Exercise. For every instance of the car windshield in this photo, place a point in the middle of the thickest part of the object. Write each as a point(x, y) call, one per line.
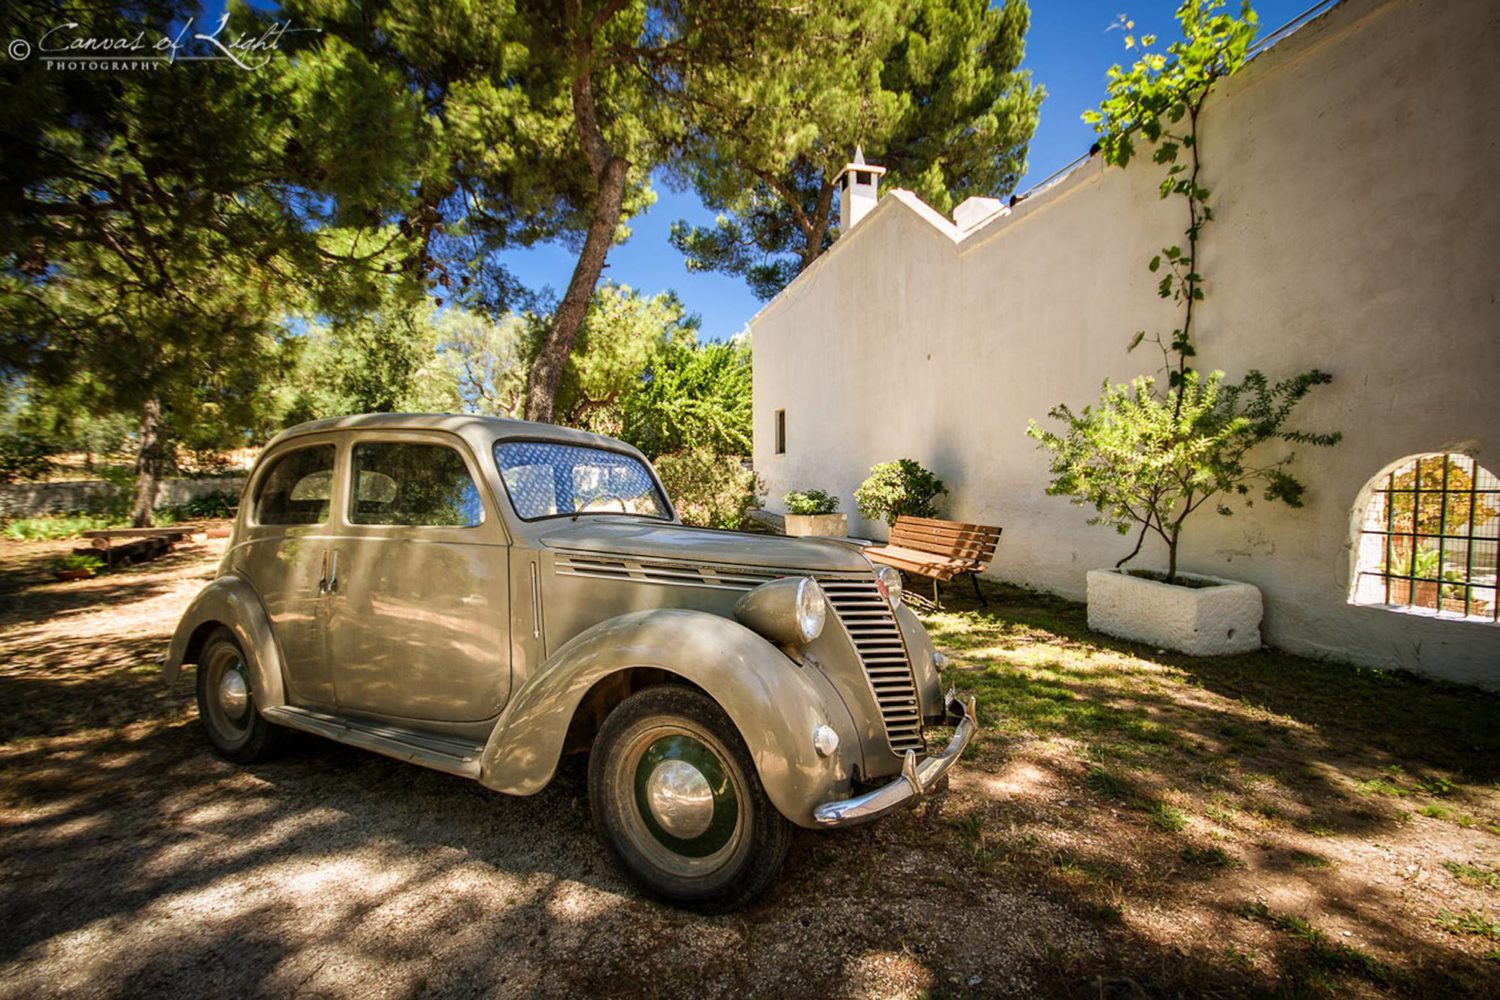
point(545, 479)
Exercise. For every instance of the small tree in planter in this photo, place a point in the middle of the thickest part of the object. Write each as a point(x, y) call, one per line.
point(896, 488)
point(1149, 455)
point(814, 512)
point(1146, 459)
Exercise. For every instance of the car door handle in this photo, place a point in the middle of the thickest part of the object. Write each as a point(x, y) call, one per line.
point(329, 581)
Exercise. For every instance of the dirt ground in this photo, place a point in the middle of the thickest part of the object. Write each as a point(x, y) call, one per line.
point(135, 862)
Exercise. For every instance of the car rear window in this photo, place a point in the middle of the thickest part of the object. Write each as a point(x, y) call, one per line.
point(297, 488)
point(413, 484)
point(547, 480)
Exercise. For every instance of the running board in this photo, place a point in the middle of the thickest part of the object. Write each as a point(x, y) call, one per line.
point(448, 756)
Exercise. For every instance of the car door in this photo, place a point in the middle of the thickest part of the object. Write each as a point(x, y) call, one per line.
point(419, 616)
point(284, 552)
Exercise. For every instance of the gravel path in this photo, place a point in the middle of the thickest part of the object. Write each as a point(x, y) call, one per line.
point(134, 862)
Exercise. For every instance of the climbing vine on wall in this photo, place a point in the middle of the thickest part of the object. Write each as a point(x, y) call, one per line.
point(1147, 455)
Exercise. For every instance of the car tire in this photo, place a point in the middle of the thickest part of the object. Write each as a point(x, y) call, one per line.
point(678, 804)
point(226, 704)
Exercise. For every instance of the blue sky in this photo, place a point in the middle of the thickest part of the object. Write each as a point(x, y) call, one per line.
point(1068, 50)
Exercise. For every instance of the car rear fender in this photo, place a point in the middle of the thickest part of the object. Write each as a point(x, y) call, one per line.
point(231, 602)
point(775, 702)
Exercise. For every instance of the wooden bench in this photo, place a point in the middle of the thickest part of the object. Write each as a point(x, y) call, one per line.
point(122, 546)
point(939, 550)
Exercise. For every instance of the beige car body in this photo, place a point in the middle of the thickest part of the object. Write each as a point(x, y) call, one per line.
point(490, 651)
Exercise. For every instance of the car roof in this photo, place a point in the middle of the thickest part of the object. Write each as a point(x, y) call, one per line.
point(481, 432)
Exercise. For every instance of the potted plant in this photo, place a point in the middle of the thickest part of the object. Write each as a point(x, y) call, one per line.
point(1149, 455)
point(897, 488)
point(814, 512)
point(1421, 592)
point(76, 566)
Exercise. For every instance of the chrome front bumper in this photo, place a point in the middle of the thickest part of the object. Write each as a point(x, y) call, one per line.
point(917, 778)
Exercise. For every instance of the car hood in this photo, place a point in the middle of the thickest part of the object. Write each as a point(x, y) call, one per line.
point(661, 540)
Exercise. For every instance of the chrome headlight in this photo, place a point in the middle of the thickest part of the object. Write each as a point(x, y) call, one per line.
point(812, 610)
point(791, 610)
point(889, 578)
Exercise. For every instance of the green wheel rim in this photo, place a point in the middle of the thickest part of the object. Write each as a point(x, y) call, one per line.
point(726, 806)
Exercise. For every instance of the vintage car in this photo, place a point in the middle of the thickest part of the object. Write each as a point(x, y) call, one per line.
point(481, 596)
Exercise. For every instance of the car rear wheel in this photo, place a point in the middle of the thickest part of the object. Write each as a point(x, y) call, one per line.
point(226, 705)
point(676, 800)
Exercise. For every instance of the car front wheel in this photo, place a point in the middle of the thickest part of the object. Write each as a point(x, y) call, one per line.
point(226, 705)
point(677, 802)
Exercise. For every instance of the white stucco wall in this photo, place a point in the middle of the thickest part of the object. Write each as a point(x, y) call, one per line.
point(1357, 230)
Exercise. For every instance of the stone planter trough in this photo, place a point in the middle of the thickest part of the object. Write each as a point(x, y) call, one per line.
point(825, 525)
point(1202, 621)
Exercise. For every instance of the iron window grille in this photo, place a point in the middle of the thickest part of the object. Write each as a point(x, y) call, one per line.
point(1429, 539)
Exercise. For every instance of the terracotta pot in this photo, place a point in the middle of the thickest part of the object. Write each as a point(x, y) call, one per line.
point(1426, 595)
point(73, 574)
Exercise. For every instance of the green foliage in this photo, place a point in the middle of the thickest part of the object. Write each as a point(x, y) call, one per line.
point(810, 502)
point(77, 561)
point(625, 338)
point(897, 488)
point(1144, 459)
point(1159, 90)
point(25, 457)
point(1167, 818)
point(692, 397)
point(932, 90)
point(51, 527)
point(709, 490)
point(1469, 922)
point(215, 504)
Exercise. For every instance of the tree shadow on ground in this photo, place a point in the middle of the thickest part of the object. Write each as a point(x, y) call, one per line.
point(135, 862)
point(1249, 797)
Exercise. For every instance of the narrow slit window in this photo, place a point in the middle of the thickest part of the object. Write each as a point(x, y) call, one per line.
point(1429, 537)
point(781, 432)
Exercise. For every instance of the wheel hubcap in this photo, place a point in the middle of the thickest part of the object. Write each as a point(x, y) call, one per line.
point(679, 798)
point(234, 693)
point(685, 797)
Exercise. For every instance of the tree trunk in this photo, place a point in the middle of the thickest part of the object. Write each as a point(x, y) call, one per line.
point(1172, 557)
point(547, 369)
point(148, 464)
point(812, 245)
point(610, 171)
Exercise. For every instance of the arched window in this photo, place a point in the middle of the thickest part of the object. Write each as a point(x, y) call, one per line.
point(1428, 538)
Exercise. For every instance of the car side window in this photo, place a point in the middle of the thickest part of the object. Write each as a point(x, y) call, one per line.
point(413, 484)
point(298, 488)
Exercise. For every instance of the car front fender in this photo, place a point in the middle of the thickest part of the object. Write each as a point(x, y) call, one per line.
point(231, 602)
point(774, 702)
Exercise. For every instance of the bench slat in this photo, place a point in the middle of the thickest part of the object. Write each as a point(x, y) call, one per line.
point(939, 549)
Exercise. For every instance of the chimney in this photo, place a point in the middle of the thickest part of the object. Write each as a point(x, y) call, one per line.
point(972, 211)
point(859, 187)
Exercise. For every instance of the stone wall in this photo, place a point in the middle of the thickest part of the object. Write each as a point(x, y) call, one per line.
point(31, 499)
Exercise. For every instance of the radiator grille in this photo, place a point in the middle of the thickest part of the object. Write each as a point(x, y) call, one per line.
point(855, 599)
point(872, 626)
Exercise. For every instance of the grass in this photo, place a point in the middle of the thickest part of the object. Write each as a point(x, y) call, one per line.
point(1469, 922)
point(1167, 818)
point(1307, 859)
point(1474, 875)
point(1212, 857)
point(1259, 746)
point(51, 527)
point(1437, 811)
point(1324, 954)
